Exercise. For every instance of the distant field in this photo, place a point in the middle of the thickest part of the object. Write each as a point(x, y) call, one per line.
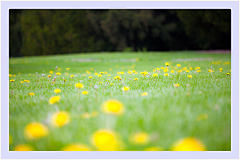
point(200, 107)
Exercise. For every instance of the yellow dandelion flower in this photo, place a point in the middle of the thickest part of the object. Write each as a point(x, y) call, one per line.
point(210, 70)
point(129, 72)
point(60, 119)
point(67, 69)
point(162, 68)
point(197, 68)
point(154, 149)
point(122, 72)
point(21, 82)
point(172, 71)
point(50, 72)
point(230, 70)
point(135, 79)
point(76, 147)
point(96, 73)
point(49, 76)
point(133, 71)
point(29, 74)
point(110, 69)
point(99, 75)
point(23, 147)
point(188, 144)
point(155, 75)
point(176, 85)
point(166, 74)
point(189, 76)
point(105, 140)
point(140, 138)
point(79, 85)
point(191, 68)
point(113, 107)
point(57, 90)
point(228, 74)
point(35, 130)
point(101, 72)
point(31, 94)
point(178, 65)
point(125, 88)
point(53, 82)
point(54, 99)
point(144, 94)
point(187, 71)
point(14, 75)
point(198, 71)
point(100, 82)
point(105, 72)
point(58, 73)
point(111, 84)
point(10, 75)
point(84, 92)
point(109, 75)
point(90, 77)
point(12, 80)
point(220, 69)
point(72, 76)
point(166, 64)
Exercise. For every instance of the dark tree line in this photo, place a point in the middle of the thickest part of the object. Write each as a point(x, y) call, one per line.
point(46, 32)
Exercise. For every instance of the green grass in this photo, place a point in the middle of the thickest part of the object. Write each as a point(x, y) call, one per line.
point(167, 112)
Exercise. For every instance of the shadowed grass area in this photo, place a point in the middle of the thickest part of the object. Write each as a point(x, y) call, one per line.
point(200, 107)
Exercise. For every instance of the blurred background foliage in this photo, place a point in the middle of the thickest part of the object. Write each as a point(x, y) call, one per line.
point(47, 32)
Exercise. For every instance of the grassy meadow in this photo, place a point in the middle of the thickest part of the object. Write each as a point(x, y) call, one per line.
point(199, 107)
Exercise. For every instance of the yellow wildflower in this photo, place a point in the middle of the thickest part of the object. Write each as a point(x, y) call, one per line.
point(12, 80)
point(79, 85)
point(176, 85)
point(23, 147)
point(144, 94)
point(58, 73)
point(105, 140)
point(31, 94)
point(178, 65)
point(113, 107)
point(84, 92)
point(50, 72)
point(188, 144)
point(155, 75)
point(166, 64)
point(35, 130)
point(125, 88)
point(76, 147)
point(189, 76)
point(57, 90)
point(54, 99)
point(60, 119)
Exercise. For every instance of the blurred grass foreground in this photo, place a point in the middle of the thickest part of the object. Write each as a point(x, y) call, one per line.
point(152, 101)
